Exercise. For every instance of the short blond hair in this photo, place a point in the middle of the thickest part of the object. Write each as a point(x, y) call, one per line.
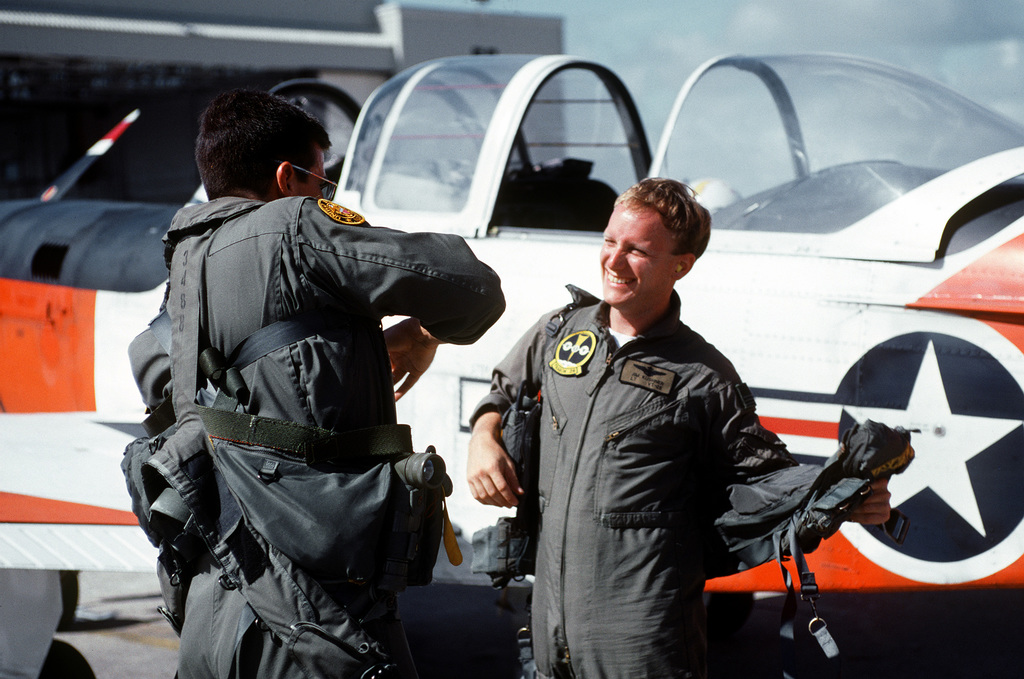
point(687, 220)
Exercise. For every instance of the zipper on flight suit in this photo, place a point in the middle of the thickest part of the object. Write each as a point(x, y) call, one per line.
point(572, 482)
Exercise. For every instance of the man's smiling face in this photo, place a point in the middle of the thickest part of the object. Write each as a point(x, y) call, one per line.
point(638, 267)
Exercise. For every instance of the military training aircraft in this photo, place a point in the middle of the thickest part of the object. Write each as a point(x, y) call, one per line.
point(867, 232)
point(866, 237)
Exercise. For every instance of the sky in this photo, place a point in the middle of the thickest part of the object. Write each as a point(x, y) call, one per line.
point(976, 47)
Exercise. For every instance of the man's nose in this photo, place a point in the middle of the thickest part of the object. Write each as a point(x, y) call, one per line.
point(614, 259)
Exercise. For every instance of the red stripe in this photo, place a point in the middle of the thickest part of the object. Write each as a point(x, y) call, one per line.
point(118, 129)
point(16, 508)
point(122, 126)
point(819, 430)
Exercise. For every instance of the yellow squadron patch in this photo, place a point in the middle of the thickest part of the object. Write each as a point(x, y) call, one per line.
point(573, 352)
point(340, 214)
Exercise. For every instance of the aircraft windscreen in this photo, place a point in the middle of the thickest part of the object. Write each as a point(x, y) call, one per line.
point(432, 146)
point(821, 126)
point(363, 147)
point(574, 116)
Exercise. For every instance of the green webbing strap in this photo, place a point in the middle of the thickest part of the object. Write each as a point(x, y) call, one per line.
point(311, 444)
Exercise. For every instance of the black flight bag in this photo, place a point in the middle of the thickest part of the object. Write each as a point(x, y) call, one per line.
point(508, 550)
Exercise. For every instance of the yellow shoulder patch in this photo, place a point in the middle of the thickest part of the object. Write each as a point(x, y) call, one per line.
point(340, 214)
point(573, 352)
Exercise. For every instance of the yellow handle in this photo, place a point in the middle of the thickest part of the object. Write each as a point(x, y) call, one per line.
point(451, 544)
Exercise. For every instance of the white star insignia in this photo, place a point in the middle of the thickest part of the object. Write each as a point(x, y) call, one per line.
point(944, 445)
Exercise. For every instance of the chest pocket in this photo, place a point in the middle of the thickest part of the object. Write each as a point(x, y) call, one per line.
point(644, 473)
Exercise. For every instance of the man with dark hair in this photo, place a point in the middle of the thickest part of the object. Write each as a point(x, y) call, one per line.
point(244, 131)
point(299, 514)
point(643, 422)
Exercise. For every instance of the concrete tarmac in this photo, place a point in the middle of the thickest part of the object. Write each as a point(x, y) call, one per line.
point(461, 631)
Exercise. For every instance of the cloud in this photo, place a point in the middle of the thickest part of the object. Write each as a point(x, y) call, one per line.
point(974, 48)
point(845, 25)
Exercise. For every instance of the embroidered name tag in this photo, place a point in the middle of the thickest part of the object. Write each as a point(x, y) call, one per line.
point(648, 376)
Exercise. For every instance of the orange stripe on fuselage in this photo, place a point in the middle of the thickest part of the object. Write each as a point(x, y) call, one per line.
point(992, 286)
point(839, 567)
point(47, 336)
point(785, 426)
point(16, 508)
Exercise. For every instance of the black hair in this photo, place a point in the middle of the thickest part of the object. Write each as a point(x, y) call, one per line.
point(242, 132)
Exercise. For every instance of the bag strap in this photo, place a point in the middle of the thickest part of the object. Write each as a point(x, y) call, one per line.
point(184, 307)
point(580, 298)
point(808, 592)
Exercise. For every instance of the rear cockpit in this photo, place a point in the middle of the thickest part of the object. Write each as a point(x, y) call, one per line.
point(841, 157)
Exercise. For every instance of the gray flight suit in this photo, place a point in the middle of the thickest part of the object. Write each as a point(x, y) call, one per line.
point(638, 446)
point(271, 261)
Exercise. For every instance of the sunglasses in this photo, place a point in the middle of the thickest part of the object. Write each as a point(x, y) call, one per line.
point(327, 187)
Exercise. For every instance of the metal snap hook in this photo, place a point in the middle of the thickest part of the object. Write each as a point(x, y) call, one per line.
point(811, 624)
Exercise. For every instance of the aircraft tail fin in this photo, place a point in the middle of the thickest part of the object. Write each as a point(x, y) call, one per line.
point(60, 186)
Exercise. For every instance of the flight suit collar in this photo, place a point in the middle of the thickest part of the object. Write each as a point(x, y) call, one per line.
point(193, 219)
point(668, 324)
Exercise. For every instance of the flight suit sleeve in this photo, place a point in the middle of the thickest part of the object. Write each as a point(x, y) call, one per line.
point(523, 362)
point(379, 272)
point(740, 445)
point(756, 484)
point(151, 367)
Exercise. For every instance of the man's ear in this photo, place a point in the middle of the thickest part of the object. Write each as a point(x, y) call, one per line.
point(683, 264)
point(284, 179)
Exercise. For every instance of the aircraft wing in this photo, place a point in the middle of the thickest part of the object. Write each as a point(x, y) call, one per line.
point(62, 505)
point(78, 279)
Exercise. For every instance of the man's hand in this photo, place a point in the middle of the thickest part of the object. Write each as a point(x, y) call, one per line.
point(876, 508)
point(490, 472)
point(411, 349)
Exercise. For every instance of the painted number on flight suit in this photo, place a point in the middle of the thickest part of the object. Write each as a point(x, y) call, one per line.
point(573, 352)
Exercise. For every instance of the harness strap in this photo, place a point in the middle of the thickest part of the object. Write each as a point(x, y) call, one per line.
point(251, 349)
point(279, 334)
point(309, 444)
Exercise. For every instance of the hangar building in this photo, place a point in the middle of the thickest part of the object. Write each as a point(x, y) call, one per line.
point(69, 70)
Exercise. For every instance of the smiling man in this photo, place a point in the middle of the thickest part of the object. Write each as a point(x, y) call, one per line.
point(643, 424)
